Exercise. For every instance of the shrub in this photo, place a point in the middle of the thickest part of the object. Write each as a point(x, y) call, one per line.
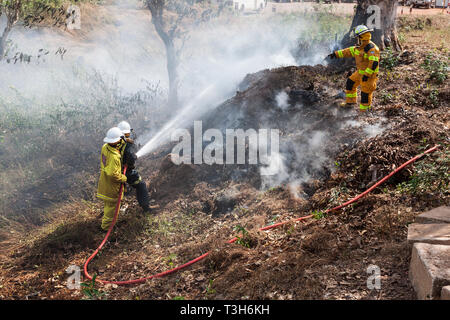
point(389, 59)
point(430, 176)
point(437, 67)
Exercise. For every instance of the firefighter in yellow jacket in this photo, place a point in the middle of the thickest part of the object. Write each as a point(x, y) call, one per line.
point(367, 58)
point(111, 176)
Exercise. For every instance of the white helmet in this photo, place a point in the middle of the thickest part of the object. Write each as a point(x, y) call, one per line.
point(125, 127)
point(361, 29)
point(113, 135)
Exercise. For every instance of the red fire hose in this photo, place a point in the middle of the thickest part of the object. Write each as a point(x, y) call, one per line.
point(165, 273)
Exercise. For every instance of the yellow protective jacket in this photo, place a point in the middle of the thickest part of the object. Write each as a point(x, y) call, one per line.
point(367, 57)
point(111, 175)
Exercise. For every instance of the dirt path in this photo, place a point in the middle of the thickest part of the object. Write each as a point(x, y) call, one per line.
point(340, 8)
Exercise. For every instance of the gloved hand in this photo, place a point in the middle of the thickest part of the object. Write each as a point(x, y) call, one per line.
point(365, 78)
point(331, 56)
point(132, 177)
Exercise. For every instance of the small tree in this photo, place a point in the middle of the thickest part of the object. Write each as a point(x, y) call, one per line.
point(171, 19)
point(28, 12)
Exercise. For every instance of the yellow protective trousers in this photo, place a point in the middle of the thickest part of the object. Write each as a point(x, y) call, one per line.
point(108, 214)
point(367, 89)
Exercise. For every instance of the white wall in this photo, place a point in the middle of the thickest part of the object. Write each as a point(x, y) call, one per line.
point(249, 4)
point(442, 3)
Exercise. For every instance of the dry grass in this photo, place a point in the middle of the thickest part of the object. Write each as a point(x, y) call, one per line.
point(425, 31)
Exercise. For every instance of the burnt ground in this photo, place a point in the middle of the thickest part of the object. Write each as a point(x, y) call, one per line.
point(199, 206)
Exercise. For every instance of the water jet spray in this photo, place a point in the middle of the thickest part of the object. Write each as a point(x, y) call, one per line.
point(163, 135)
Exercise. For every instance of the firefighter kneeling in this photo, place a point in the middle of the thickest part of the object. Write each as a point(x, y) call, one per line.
point(367, 58)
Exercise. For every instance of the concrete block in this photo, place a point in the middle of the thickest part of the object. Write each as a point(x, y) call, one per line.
point(429, 269)
point(436, 215)
point(434, 233)
point(445, 293)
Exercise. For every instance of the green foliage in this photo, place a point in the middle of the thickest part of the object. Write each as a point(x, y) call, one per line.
point(90, 291)
point(437, 67)
point(430, 176)
point(318, 214)
point(389, 59)
point(274, 189)
point(412, 100)
point(30, 11)
point(170, 260)
point(209, 289)
point(407, 25)
point(290, 230)
point(386, 97)
point(336, 192)
point(401, 37)
point(273, 219)
point(242, 239)
point(434, 97)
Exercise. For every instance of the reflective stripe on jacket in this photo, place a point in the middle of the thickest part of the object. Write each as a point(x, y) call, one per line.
point(367, 57)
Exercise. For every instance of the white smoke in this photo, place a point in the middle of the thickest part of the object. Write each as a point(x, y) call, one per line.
point(221, 54)
point(125, 48)
point(275, 172)
point(374, 130)
point(119, 41)
point(282, 100)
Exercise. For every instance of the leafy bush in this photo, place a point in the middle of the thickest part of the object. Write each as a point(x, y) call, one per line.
point(318, 214)
point(90, 291)
point(243, 241)
point(430, 176)
point(437, 67)
point(389, 59)
point(434, 97)
point(386, 97)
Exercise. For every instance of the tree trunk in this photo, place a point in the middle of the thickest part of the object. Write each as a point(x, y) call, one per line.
point(379, 15)
point(157, 8)
point(3, 40)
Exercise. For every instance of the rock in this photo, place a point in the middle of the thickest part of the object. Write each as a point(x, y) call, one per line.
point(445, 293)
point(434, 233)
point(429, 269)
point(436, 215)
